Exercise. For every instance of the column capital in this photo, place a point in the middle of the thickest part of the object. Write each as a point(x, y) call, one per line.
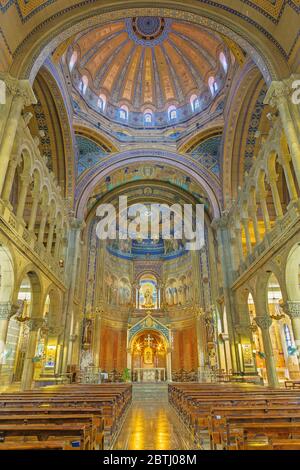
point(19, 88)
point(221, 222)
point(292, 308)
point(35, 324)
point(7, 310)
point(243, 329)
point(264, 321)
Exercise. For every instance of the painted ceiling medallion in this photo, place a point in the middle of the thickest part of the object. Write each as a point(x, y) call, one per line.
point(148, 27)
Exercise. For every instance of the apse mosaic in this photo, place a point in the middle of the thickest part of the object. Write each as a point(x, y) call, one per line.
point(159, 172)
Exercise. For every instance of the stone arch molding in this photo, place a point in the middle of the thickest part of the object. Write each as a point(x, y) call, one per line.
point(115, 162)
point(36, 47)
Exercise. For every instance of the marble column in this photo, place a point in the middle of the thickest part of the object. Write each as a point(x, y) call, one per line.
point(285, 160)
point(13, 163)
point(169, 365)
point(35, 203)
point(57, 243)
point(7, 310)
point(253, 215)
point(19, 94)
point(292, 309)
point(245, 222)
point(264, 322)
point(25, 180)
point(50, 235)
point(44, 209)
point(97, 338)
point(34, 326)
point(279, 96)
point(264, 209)
point(276, 197)
point(201, 339)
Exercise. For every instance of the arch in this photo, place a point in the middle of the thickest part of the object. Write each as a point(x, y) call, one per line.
point(102, 101)
point(73, 60)
point(91, 178)
point(292, 273)
point(124, 112)
point(6, 274)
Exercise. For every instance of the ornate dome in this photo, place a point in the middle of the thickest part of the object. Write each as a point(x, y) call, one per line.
point(147, 64)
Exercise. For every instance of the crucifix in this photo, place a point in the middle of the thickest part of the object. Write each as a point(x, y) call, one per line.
point(148, 340)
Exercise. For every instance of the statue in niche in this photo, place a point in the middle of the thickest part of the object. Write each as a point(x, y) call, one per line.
point(148, 299)
point(148, 355)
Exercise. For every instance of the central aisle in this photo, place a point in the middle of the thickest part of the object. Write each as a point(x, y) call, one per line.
point(151, 423)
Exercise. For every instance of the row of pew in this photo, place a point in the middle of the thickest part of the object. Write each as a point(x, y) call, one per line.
point(239, 416)
point(63, 417)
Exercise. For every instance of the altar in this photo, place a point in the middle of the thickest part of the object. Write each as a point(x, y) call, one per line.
point(155, 374)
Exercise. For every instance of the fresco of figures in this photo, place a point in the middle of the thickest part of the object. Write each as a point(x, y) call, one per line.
point(178, 291)
point(117, 291)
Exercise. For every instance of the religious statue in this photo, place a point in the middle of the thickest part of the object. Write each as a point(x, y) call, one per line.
point(148, 299)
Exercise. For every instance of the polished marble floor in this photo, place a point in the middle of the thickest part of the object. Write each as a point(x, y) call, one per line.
point(152, 424)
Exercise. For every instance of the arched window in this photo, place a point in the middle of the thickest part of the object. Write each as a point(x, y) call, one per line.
point(73, 60)
point(172, 113)
point(287, 335)
point(223, 61)
point(102, 102)
point(213, 86)
point(148, 116)
point(83, 84)
point(124, 112)
point(195, 102)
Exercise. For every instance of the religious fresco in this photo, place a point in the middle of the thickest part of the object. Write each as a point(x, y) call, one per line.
point(89, 153)
point(148, 293)
point(179, 290)
point(159, 172)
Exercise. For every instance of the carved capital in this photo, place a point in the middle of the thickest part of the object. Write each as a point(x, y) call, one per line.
point(280, 91)
point(35, 324)
point(19, 89)
point(243, 329)
point(7, 310)
point(264, 322)
point(292, 308)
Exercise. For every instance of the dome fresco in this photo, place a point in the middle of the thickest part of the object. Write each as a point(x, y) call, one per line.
point(148, 66)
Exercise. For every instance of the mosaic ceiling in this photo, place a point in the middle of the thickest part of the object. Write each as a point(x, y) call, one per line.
point(148, 61)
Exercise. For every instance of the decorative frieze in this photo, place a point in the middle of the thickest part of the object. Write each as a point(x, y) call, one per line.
point(292, 308)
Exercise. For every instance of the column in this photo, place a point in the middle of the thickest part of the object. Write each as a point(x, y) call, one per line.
point(25, 180)
point(97, 337)
point(35, 202)
point(238, 237)
point(264, 209)
point(245, 339)
point(278, 95)
point(253, 215)
point(19, 94)
point(9, 178)
point(57, 243)
point(43, 221)
point(129, 361)
point(169, 365)
point(264, 322)
point(34, 325)
point(245, 222)
point(292, 309)
point(285, 160)
point(201, 339)
point(50, 235)
point(7, 310)
point(276, 197)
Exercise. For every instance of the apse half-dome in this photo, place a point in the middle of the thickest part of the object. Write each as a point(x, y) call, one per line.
point(148, 70)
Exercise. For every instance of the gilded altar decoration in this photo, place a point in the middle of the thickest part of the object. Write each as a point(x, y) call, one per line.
point(148, 355)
